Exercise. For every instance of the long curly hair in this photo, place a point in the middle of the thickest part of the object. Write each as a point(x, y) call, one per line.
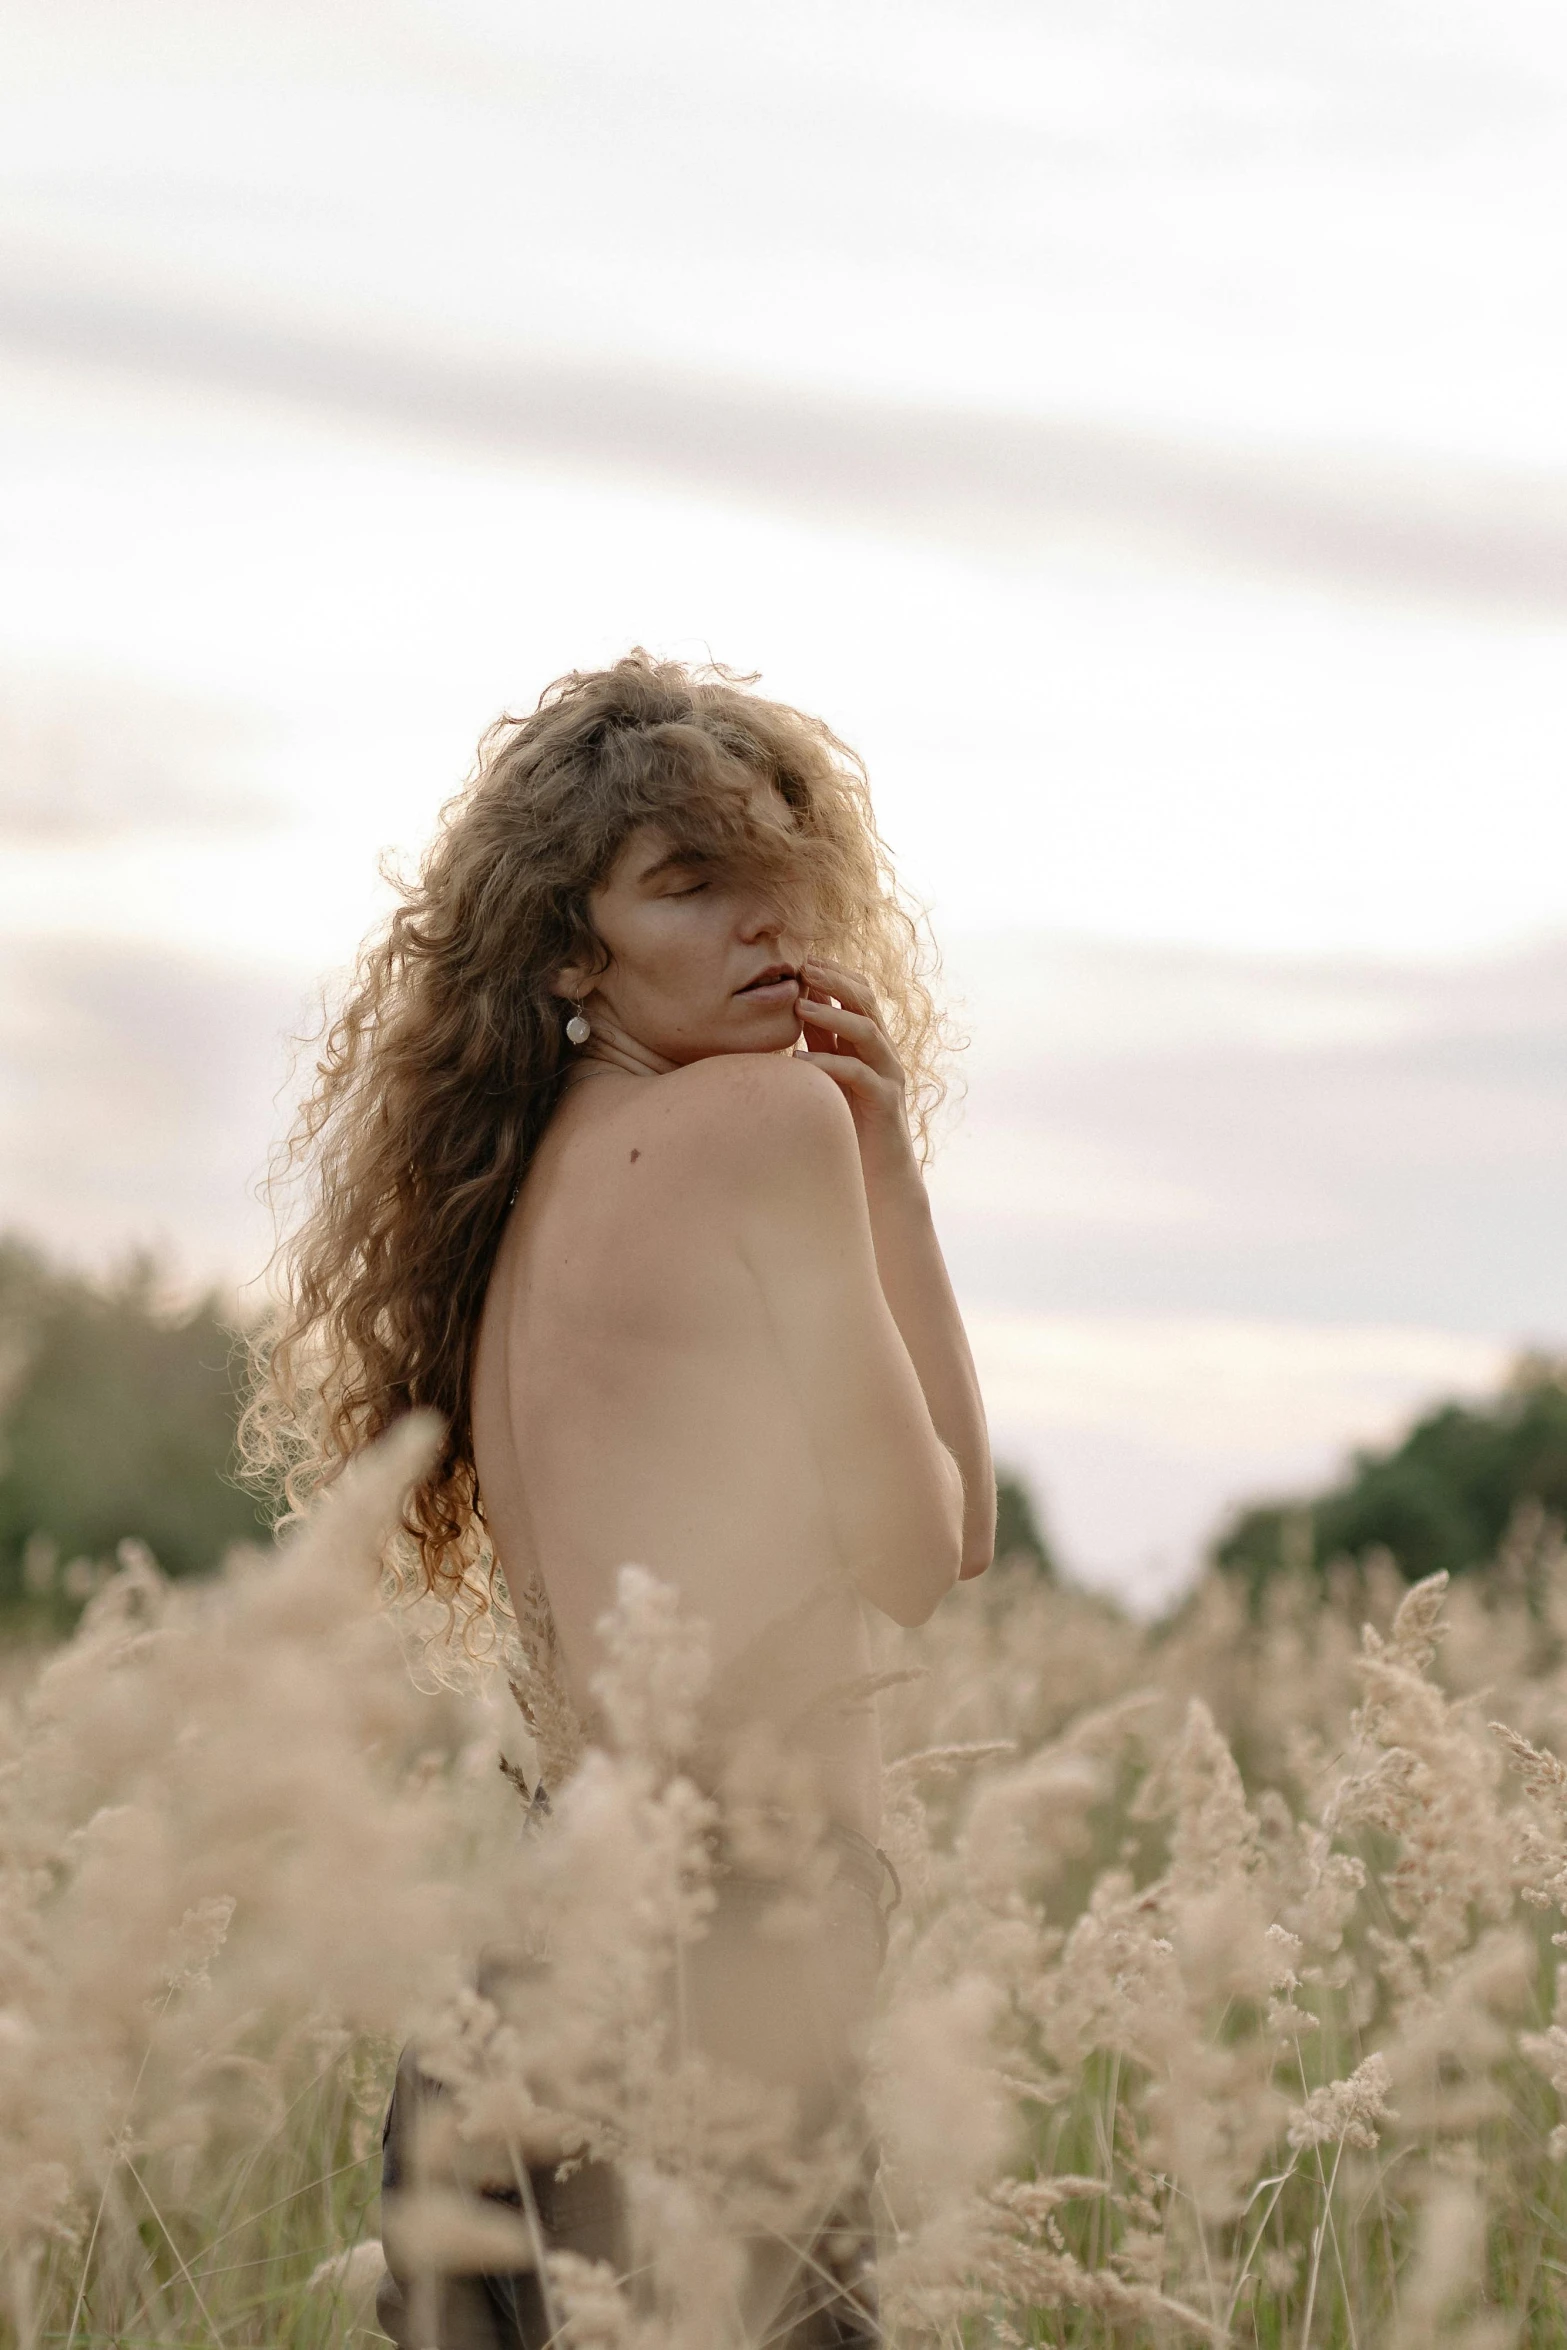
point(436, 1077)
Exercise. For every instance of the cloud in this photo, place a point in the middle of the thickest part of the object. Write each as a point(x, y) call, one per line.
point(86, 758)
point(982, 481)
point(1179, 1133)
point(136, 1100)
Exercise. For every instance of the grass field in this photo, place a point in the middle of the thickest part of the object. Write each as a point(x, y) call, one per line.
point(1220, 2005)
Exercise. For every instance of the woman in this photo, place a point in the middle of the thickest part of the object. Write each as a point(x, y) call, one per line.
point(615, 1148)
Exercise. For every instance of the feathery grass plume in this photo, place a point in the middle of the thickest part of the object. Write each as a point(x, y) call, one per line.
point(1348, 2112)
point(222, 1873)
point(1221, 2003)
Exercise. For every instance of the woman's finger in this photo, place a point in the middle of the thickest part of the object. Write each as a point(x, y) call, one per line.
point(829, 963)
point(855, 1076)
point(852, 986)
point(858, 1002)
point(831, 1014)
point(857, 1028)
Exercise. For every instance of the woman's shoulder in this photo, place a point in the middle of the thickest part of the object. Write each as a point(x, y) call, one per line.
point(745, 1105)
point(735, 1126)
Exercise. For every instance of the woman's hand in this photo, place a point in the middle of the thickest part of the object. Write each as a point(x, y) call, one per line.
point(844, 1036)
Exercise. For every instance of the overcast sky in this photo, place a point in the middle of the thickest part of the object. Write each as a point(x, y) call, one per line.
point(1141, 430)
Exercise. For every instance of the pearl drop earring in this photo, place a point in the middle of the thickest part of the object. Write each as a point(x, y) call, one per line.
point(578, 1028)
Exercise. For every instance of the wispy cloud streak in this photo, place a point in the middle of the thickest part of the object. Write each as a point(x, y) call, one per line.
point(993, 483)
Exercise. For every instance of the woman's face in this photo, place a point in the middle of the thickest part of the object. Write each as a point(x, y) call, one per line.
point(701, 962)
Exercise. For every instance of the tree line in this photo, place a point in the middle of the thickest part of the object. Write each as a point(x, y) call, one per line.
point(1441, 1498)
point(117, 1418)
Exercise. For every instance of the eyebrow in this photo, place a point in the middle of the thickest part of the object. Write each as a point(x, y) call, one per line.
point(672, 861)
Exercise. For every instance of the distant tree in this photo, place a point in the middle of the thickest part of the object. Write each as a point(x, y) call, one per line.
point(117, 1419)
point(1442, 1498)
point(1018, 1532)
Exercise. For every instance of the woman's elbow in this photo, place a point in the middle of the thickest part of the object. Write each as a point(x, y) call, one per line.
point(913, 1604)
point(919, 1549)
point(979, 1547)
point(938, 1570)
point(911, 1583)
point(979, 1532)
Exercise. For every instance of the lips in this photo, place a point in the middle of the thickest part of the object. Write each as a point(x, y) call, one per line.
point(776, 975)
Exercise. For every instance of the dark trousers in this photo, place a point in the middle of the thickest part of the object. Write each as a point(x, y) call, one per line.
point(817, 2295)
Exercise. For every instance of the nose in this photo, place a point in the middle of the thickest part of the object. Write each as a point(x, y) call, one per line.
point(761, 930)
point(778, 914)
point(761, 917)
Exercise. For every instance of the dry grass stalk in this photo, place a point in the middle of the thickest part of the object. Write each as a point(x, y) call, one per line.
point(1222, 2005)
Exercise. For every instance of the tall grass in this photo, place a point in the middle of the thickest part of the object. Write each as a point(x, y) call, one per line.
point(1220, 2006)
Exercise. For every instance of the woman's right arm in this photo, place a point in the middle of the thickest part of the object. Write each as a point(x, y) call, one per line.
point(785, 1154)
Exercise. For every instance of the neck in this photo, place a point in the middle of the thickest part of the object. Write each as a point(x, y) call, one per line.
point(610, 1047)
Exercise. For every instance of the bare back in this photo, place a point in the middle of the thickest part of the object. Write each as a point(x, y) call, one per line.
point(643, 1393)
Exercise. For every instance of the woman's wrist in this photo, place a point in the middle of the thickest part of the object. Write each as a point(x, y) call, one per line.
point(894, 1184)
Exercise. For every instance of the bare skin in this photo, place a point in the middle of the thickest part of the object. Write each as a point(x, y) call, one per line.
point(719, 1339)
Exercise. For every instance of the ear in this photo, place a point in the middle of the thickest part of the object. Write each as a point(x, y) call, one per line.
point(573, 981)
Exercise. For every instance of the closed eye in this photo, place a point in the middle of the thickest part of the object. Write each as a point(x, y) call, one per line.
point(694, 891)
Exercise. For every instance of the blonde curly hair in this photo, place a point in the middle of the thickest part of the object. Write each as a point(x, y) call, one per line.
point(438, 1074)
